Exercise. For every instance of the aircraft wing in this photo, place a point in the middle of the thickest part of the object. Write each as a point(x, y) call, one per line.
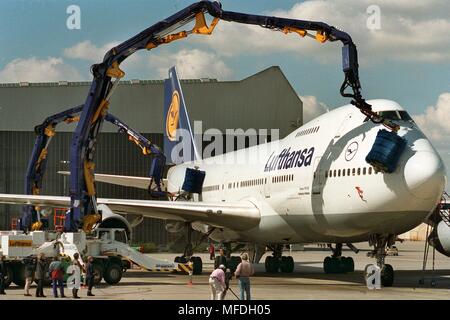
point(127, 181)
point(239, 216)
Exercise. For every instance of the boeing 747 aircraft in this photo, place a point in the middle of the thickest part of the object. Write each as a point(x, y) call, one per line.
point(313, 186)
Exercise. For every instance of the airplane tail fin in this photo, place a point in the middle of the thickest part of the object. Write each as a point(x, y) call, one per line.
point(179, 144)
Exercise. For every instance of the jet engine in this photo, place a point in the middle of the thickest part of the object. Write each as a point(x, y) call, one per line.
point(440, 238)
point(113, 220)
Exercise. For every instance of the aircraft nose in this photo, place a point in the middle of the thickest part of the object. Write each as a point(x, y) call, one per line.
point(425, 175)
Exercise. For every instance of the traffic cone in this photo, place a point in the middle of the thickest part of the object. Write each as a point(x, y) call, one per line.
point(190, 275)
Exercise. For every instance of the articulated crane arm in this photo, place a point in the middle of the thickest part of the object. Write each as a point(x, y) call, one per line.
point(82, 189)
point(37, 163)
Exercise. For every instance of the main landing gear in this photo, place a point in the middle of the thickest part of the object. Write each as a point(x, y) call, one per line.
point(337, 263)
point(380, 242)
point(277, 262)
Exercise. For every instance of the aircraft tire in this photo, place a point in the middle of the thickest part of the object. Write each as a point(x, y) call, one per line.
point(180, 259)
point(271, 264)
point(197, 267)
point(291, 264)
point(287, 264)
point(233, 263)
point(327, 268)
point(349, 264)
point(387, 276)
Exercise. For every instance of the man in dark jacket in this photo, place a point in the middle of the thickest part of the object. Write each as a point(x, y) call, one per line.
point(41, 270)
point(2, 274)
point(90, 273)
point(220, 259)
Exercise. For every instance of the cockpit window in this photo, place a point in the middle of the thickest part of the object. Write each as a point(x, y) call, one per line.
point(405, 116)
point(395, 115)
point(389, 115)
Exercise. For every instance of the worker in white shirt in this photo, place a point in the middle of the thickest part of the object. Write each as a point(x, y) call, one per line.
point(217, 282)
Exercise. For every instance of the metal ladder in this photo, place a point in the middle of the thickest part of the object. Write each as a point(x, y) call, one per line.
point(444, 208)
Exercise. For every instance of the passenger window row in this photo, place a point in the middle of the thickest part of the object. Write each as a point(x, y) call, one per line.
point(251, 183)
point(247, 183)
point(285, 178)
point(349, 172)
point(211, 188)
point(307, 131)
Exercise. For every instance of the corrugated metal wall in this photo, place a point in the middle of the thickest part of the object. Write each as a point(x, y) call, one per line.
point(265, 100)
point(115, 155)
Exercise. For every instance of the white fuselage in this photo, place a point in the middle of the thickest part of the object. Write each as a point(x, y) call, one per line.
point(315, 185)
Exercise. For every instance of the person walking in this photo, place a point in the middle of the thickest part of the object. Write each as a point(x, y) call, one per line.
point(212, 251)
point(90, 273)
point(30, 268)
point(57, 275)
point(217, 283)
point(76, 263)
point(40, 275)
point(243, 272)
point(2, 274)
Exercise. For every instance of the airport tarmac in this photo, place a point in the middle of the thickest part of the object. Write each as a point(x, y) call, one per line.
point(308, 281)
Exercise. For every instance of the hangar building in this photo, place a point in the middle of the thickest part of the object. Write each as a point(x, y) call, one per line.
point(264, 100)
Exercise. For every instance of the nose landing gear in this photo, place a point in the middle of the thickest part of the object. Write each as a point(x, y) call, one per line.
point(380, 242)
point(337, 263)
point(188, 254)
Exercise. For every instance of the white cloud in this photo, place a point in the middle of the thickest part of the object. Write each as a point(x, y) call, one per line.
point(86, 50)
point(38, 70)
point(435, 122)
point(312, 108)
point(410, 31)
point(190, 64)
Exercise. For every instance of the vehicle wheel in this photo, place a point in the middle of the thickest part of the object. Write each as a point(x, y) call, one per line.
point(19, 274)
point(271, 264)
point(98, 272)
point(9, 276)
point(197, 267)
point(349, 264)
point(387, 276)
point(113, 273)
point(233, 263)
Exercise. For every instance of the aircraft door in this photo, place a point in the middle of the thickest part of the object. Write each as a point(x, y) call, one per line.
point(267, 186)
point(318, 177)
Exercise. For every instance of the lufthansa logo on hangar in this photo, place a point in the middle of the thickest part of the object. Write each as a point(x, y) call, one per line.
point(351, 150)
point(173, 116)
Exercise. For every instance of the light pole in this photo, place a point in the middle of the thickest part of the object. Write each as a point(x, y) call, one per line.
point(65, 164)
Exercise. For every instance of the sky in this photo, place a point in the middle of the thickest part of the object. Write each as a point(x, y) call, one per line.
point(403, 47)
